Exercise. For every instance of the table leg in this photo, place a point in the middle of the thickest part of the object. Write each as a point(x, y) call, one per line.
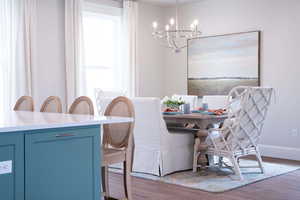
point(196, 147)
point(201, 149)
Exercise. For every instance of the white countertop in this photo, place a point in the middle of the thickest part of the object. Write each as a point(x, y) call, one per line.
point(24, 121)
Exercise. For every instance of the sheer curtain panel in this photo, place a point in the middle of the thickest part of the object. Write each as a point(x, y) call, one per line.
point(130, 14)
point(14, 70)
point(73, 41)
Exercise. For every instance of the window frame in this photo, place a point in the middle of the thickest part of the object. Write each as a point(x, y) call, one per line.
point(91, 8)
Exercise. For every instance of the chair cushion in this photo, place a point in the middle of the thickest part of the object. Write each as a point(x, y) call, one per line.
point(112, 156)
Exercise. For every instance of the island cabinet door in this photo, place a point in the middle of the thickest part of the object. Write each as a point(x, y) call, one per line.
point(63, 164)
point(12, 166)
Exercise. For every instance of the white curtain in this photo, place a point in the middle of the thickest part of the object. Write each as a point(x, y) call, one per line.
point(29, 20)
point(73, 43)
point(130, 15)
point(14, 70)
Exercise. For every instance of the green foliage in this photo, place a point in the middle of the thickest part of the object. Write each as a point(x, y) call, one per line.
point(173, 103)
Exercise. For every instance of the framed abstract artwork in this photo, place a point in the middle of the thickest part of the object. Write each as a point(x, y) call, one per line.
point(218, 63)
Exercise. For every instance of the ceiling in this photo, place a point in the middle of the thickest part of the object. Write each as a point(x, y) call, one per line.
point(167, 2)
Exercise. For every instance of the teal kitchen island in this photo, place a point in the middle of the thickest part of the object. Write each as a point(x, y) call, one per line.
point(49, 156)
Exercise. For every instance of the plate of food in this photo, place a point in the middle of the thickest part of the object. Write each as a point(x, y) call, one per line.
point(171, 111)
point(210, 111)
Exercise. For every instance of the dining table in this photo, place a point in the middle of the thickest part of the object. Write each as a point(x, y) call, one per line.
point(197, 124)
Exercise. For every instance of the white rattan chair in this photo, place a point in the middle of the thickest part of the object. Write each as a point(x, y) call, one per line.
point(240, 133)
point(104, 98)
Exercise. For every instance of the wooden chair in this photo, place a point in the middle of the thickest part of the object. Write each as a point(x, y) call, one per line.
point(24, 103)
point(118, 143)
point(52, 105)
point(83, 106)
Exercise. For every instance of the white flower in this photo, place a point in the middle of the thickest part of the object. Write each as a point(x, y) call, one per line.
point(166, 98)
point(175, 98)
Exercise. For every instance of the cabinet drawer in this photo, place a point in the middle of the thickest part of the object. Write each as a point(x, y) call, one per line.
point(62, 133)
point(63, 164)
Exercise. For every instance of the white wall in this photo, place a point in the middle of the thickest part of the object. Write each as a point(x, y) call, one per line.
point(279, 22)
point(150, 57)
point(48, 68)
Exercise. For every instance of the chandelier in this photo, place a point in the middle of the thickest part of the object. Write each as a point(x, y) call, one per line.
point(174, 36)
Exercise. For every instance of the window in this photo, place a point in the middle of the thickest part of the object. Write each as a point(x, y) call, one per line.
point(102, 49)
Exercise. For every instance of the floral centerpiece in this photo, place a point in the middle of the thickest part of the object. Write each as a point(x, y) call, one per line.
point(173, 102)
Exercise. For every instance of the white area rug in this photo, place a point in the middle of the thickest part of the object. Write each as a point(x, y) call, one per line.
point(222, 180)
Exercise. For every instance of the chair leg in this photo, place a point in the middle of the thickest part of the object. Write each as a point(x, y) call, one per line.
point(238, 161)
point(260, 162)
point(211, 160)
point(195, 159)
point(105, 182)
point(127, 180)
point(220, 163)
point(237, 169)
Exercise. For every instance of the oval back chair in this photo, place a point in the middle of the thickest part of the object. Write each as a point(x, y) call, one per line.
point(117, 135)
point(24, 103)
point(52, 105)
point(82, 106)
point(118, 143)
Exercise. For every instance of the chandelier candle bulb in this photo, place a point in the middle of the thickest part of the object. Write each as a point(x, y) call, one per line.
point(192, 26)
point(172, 21)
point(196, 22)
point(154, 25)
point(167, 27)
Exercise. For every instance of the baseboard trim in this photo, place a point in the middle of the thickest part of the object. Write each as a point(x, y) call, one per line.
point(280, 152)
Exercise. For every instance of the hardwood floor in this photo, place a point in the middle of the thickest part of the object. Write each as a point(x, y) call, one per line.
point(284, 187)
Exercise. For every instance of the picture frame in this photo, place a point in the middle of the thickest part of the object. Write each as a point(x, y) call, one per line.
point(218, 63)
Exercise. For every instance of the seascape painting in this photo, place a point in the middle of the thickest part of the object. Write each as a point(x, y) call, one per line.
point(216, 64)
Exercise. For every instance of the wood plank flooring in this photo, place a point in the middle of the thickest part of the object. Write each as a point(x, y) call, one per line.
point(284, 187)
